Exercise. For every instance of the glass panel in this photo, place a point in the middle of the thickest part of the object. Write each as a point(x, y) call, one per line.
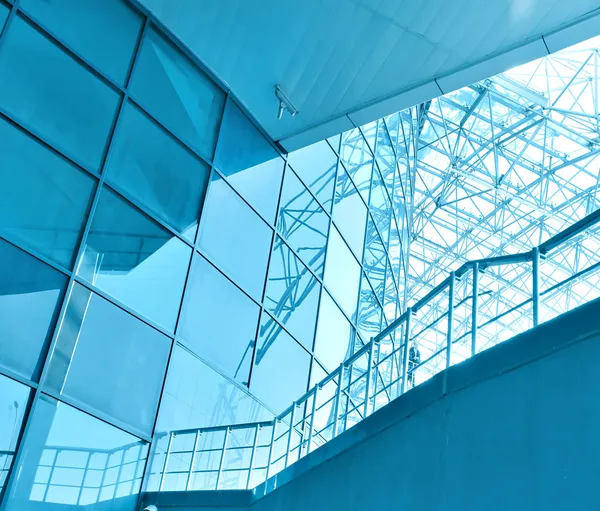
point(316, 165)
point(368, 321)
point(375, 260)
point(178, 93)
point(4, 10)
point(72, 459)
point(350, 213)
point(158, 171)
point(333, 343)
point(281, 366)
point(30, 298)
point(46, 89)
point(132, 258)
point(13, 403)
point(104, 33)
point(206, 325)
point(358, 159)
point(43, 199)
point(235, 238)
point(109, 360)
point(303, 223)
point(250, 163)
point(342, 273)
point(380, 206)
point(292, 293)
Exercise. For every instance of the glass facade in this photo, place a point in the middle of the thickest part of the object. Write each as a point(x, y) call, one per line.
point(163, 264)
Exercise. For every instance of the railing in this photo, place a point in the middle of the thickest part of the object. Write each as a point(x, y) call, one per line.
point(6, 459)
point(478, 305)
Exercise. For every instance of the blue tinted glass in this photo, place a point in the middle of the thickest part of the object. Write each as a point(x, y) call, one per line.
point(13, 403)
point(132, 258)
point(380, 206)
point(357, 157)
point(333, 343)
point(374, 262)
point(349, 213)
point(250, 163)
point(46, 89)
point(3, 15)
point(292, 294)
point(385, 156)
point(281, 366)
point(206, 325)
point(303, 223)
point(103, 32)
point(30, 298)
point(60, 443)
point(158, 171)
point(43, 199)
point(342, 273)
point(316, 165)
point(108, 360)
point(235, 238)
point(178, 93)
point(368, 321)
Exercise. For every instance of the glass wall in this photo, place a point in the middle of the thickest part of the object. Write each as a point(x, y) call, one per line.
point(163, 265)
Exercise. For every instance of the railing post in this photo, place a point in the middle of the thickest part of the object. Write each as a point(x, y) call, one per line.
point(450, 319)
point(474, 307)
point(222, 461)
point(85, 471)
point(368, 382)
point(312, 418)
point(166, 464)
point(253, 455)
point(406, 348)
point(535, 292)
point(119, 473)
point(271, 447)
point(289, 442)
point(338, 397)
point(189, 477)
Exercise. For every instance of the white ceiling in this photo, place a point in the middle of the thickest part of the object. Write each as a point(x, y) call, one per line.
point(357, 60)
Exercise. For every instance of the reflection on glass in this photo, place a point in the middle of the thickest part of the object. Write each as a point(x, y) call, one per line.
point(375, 260)
point(109, 360)
point(358, 159)
point(178, 93)
point(207, 326)
point(30, 298)
point(385, 156)
point(104, 33)
point(3, 15)
point(43, 199)
point(333, 343)
point(349, 213)
point(303, 223)
point(342, 273)
point(368, 321)
point(251, 165)
point(159, 172)
point(281, 366)
point(48, 90)
point(235, 238)
point(381, 206)
point(13, 403)
point(132, 258)
point(74, 461)
point(292, 293)
point(316, 165)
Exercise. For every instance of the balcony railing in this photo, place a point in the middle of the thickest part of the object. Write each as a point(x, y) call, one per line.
point(478, 305)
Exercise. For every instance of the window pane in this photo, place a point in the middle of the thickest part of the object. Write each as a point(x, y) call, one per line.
point(158, 171)
point(292, 294)
point(303, 223)
point(206, 325)
point(368, 321)
point(235, 238)
point(43, 199)
point(109, 360)
point(178, 93)
point(13, 403)
point(334, 343)
point(103, 32)
point(357, 157)
point(59, 443)
point(251, 165)
point(3, 15)
point(375, 260)
point(30, 297)
point(135, 260)
point(350, 213)
point(342, 273)
point(381, 207)
point(46, 89)
point(316, 165)
point(281, 366)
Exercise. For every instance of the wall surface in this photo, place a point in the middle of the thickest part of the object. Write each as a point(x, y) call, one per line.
point(515, 427)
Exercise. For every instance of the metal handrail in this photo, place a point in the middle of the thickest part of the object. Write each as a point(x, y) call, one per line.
point(359, 393)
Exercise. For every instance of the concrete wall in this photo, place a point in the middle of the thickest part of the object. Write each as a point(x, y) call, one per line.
point(516, 427)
